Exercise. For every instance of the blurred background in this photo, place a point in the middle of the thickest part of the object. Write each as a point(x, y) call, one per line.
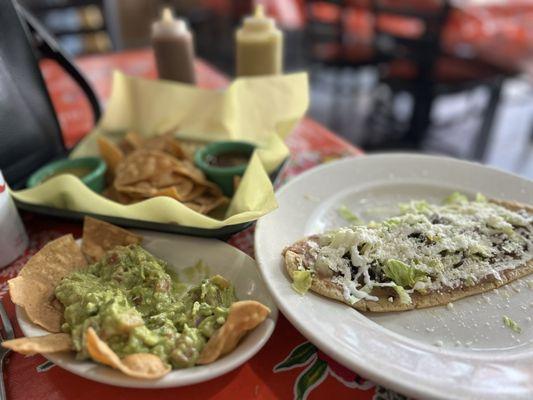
point(443, 77)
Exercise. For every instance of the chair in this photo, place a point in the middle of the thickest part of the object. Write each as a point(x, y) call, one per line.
point(418, 66)
point(402, 40)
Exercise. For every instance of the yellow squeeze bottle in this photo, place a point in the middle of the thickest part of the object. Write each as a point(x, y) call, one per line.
point(259, 46)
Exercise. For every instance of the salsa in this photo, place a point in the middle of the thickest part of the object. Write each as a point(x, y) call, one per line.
point(229, 159)
point(137, 305)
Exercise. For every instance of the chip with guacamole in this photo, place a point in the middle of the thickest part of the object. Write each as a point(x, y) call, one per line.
point(133, 303)
point(128, 310)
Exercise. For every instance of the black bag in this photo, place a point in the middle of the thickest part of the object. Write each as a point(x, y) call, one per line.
point(30, 135)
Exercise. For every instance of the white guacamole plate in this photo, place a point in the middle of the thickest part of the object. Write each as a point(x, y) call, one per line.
point(461, 351)
point(182, 252)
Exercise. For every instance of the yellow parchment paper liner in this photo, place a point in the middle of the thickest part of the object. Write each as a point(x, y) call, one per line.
point(261, 110)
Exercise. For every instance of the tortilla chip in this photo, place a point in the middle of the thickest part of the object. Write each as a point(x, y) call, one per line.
point(144, 365)
point(139, 365)
point(110, 152)
point(141, 165)
point(236, 182)
point(160, 167)
point(243, 316)
point(134, 140)
point(99, 350)
point(187, 168)
point(169, 192)
point(205, 204)
point(36, 298)
point(33, 289)
point(171, 178)
point(141, 190)
point(55, 260)
point(196, 191)
point(113, 194)
point(167, 143)
point(29, 346)
point(100, 236)
point(195, 207)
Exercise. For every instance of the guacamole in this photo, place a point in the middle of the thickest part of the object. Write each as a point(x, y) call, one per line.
point(137, 305)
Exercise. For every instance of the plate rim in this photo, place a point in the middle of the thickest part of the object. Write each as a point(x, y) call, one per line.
point(109, 376)
point(420, 388)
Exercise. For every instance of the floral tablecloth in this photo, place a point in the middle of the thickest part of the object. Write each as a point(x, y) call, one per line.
point(288, 367)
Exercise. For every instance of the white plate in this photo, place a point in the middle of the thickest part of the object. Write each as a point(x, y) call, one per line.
point(181, 252)
point(479, 357)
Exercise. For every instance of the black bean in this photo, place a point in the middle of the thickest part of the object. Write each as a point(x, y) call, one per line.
point(458, 264)
point(438, 220)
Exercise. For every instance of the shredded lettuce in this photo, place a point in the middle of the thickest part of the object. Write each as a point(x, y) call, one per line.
point(367, 288)
point(478, 248)
point(435, 264)
point(456, 198)
point(366, 248)
point(403, 295)
point(342, 237)
point(402, 274)
point(470, 280)
point(392, 222)
point(301, 281)
point(498, 223)
point(349, 216)
point(509, 323)
point(415, 206)
point(480, 198)
point(514, 219)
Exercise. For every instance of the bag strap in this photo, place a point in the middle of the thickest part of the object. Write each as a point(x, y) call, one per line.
point(49, 48)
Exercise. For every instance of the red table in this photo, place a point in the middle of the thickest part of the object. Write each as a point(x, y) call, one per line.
point(271, 373)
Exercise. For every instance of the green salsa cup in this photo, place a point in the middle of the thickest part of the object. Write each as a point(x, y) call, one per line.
point(90, 170)
point(216, 160)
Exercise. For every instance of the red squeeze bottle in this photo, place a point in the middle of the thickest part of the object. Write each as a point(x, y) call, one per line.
point(173, 48)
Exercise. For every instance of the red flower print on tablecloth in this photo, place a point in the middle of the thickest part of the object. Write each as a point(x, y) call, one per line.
point(317, 366)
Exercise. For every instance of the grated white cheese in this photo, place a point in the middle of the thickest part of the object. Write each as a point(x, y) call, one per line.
point(456, 244)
